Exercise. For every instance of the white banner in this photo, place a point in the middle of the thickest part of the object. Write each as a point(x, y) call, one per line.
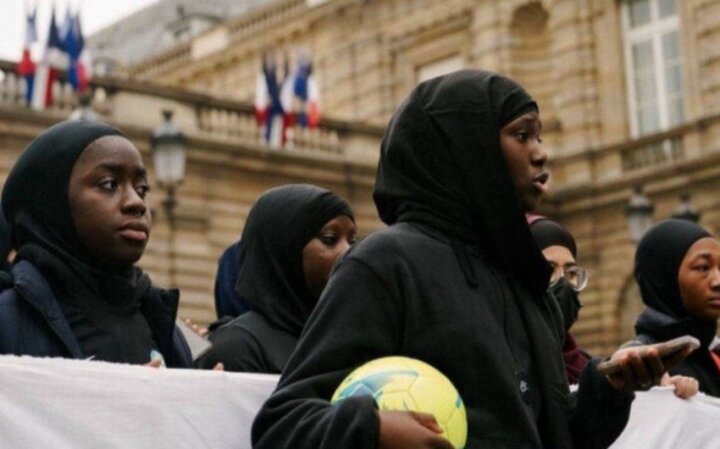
point(57, 403)
point(661, 420)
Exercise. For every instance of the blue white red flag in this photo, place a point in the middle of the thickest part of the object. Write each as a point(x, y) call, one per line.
point(26, 66)
point(269, 107)
point(74, 45)
point(46, 71)
point(306, 95)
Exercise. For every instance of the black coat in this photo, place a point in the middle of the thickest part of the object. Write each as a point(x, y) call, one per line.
point(251, 344)
point(653, 326)
point(456, 281)
point(32, 322)
point(271, 279)
point(367, 312)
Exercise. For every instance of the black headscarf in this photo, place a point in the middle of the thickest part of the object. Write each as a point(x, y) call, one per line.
point(282, 221)
point(548, 233)
point(441, 164)
point(101, 307)
point(227, 302)
point(657, 262)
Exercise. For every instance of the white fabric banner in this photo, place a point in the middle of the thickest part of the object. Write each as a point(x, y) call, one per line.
point(661, 420)
point(58, 403)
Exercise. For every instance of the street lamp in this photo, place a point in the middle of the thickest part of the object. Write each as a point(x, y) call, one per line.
point(686, 211)
point(639, 211)
point(168, 149)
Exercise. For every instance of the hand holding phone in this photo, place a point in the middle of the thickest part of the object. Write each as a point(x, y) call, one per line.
point(668, 351)
point(642, 367)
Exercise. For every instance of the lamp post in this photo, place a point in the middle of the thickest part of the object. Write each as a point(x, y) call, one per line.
point(639, 211)
point(686, 211)
point(168, 150)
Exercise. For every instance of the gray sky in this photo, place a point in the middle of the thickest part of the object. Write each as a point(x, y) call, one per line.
point(94, 15)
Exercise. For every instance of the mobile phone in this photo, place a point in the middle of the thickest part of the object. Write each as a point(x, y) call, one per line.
point(666, 349)
point(198, 345)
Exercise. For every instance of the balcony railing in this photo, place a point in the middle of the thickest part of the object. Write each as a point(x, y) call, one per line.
point(127, 102)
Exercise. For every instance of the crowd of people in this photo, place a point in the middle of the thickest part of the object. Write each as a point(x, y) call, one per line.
point(463, 277)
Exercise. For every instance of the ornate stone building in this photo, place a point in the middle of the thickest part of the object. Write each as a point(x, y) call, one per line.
point(629, 92)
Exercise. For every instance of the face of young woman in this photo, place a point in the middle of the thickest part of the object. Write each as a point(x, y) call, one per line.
point(699, 280)
point(320, 253)
point(107, 192)
point(525, 157)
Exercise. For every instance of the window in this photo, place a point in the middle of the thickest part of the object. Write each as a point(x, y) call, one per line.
point(653, 63)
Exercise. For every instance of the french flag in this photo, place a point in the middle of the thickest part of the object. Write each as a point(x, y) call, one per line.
point(26, 67)
point(269, 109)
point(46, 71)
point(74, 45)
point(305, 90)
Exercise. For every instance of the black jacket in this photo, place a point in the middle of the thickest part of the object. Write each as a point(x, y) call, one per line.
point(367, 312)
point(32, 322)
point(249, 343)
point(653, 326)
point(271, 279)
point(456, 281)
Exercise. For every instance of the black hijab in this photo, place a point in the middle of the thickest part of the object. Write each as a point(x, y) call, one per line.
point(441, 164)
point(102, 307)
point(282, 221)
point(547, 233)
point(657, 262)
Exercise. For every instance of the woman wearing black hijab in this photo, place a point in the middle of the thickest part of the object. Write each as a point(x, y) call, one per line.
point(677, 267)
point(456, 281)
point(292, 236)
point(75, 202)
point(568, 278)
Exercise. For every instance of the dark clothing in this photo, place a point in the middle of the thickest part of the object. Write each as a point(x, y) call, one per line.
point(271, 278)
point(5, 244)
point(655, 327)
point(100, 302)
point(227, 302)
point(32, 322)
point(249, 344)
point(657, 265)
point(456, 281)
point(401, 291)
point(575, 359)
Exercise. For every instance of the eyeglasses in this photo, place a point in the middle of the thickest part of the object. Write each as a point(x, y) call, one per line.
point(576, 276)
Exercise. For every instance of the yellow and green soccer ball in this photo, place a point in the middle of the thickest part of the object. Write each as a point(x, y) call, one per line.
point(402, 383)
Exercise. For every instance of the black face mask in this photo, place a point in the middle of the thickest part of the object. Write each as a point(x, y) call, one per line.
point(568, 301)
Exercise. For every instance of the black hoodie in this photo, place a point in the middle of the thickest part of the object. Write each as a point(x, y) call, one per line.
point(271, 279)
point(455, 281)
point(657, 263)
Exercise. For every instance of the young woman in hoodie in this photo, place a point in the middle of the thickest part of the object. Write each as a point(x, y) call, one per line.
point(677, 266)
point(292, 237)
point(456, 281)
point(77, 210)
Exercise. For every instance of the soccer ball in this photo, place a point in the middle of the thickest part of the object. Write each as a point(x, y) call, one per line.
point(402, 383)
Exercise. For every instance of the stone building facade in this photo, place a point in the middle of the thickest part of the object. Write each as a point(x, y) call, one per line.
point(228, 167)
point(629, 92)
